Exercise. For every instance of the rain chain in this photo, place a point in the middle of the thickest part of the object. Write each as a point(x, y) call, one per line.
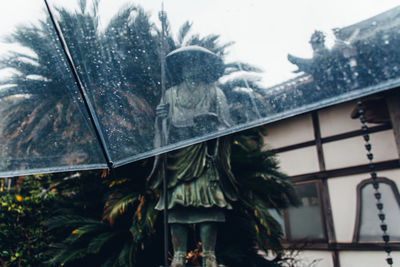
point(375, 183)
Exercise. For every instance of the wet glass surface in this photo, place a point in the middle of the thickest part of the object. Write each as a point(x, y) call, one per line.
point(239, 65)
point(44, 126)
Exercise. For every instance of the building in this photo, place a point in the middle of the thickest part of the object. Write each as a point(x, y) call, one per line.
point(323, 151)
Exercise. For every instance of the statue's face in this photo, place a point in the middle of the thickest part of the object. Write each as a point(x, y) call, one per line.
point(192, 73)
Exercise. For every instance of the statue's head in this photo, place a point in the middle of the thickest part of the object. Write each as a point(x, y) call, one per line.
point(193, 72)
point(194, 63)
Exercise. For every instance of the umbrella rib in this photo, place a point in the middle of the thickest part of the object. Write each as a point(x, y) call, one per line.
point(89, 106)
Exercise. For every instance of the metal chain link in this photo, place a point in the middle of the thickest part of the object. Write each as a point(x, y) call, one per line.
point(375, 183)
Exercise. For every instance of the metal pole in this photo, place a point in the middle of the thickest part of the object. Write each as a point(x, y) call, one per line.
point(162, 17)
point(89, 106)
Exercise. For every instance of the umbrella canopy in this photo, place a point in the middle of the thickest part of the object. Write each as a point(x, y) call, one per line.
point(84, 95)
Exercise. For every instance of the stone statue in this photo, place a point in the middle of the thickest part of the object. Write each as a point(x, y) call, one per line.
point(201, 186)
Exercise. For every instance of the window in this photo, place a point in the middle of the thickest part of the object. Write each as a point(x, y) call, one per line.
point(367, 222)
point(304, 222)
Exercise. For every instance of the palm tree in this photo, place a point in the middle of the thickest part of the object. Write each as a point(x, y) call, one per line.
point(50, 117)
point(129, 231)
point(43, 113)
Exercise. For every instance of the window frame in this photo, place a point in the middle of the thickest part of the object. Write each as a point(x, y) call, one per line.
point(360, 187)
point(288, 237)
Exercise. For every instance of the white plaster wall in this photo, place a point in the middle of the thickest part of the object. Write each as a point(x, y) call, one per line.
point(306, 257)
point(351, 151)
point(299, 161)
point(367, 258)
point(289, 131)
point(343, 198)
point(336, 119)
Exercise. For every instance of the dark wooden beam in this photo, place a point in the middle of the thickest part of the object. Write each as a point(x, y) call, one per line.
point(374, 129)
point(324, 191)
point(318, 141)
point(340, 246)
point(335, 258)
point(365, 168)
point(393, 104)
point(293, 147)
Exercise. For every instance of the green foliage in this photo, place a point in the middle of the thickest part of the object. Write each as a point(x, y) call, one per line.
point(127, 231)
point(122, 230)
point(95, 219)
point(262, 187)
point(23, 238)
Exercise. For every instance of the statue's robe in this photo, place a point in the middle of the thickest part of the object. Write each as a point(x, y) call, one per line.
point(200, 184)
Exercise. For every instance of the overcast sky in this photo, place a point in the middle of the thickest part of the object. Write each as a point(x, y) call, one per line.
point(264, 31)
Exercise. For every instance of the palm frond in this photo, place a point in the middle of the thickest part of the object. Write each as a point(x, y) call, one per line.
point(67, 255)
point(183, 32)
point(124, 258)
point(63, 221)
point(99, 241)
point(117, 204)
point(82, 6)
point(233, 67)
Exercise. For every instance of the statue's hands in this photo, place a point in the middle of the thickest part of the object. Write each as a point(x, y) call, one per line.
point(206, 123)
point(162, 111)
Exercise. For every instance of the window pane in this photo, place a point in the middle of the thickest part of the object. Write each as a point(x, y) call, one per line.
point(370, 224)
point(305, 221)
